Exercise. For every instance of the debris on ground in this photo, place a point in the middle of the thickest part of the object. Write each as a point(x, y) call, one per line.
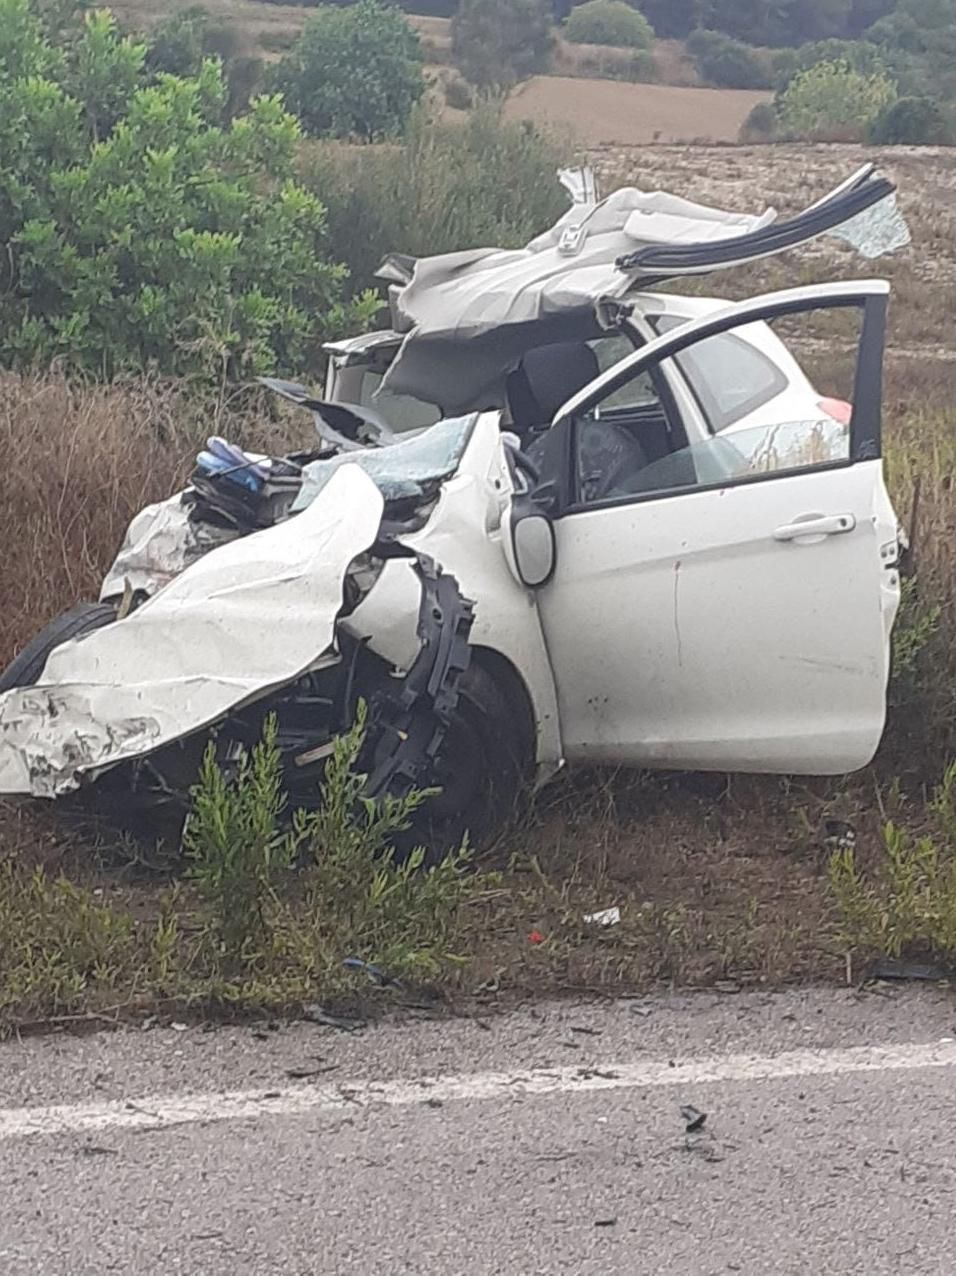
point(901, 968)
point(604, 917)
point(694, 1117)
point(375, 973)
point(315, 1013)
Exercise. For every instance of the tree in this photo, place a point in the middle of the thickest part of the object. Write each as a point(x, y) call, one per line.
point(778, 22)
point(496, 43)
point(832, 100)
point(726, 62)
point(611, 22)
point(861, 55)
point(354, 72)
point(910, 121)
point(672, 19)
point(162, 239)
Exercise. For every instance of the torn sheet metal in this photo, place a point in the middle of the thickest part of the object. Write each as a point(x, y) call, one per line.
point(159, 545)
point(469, 316)
point(244, 619)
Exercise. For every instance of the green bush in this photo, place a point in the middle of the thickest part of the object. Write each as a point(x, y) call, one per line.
point(451, 186)
point(611, 22)
point(910, 121)
point(237, 849)
point(906, 906)
point(354, 72)
point(139, 232)
point(833, 101)
point(497, 43)
point(861, 55)
point(725, 62)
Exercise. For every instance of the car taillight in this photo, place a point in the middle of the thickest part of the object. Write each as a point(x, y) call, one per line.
point(839, 409)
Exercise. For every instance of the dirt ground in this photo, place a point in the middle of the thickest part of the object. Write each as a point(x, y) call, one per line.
point(605, 112)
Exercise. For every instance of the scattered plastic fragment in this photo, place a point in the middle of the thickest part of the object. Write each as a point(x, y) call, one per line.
point(605, 917)
point(605, 1222)
point(535, 937)
point(694, 1118)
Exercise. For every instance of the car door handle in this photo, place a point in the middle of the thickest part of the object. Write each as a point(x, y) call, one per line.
point(815, 526)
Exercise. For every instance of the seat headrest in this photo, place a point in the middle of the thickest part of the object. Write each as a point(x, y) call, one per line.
point(546, 378)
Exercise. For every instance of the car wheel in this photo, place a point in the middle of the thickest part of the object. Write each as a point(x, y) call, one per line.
point(26, 668)
point(482, 768)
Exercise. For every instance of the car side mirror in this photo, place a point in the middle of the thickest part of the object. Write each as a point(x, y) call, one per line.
point(532, 538)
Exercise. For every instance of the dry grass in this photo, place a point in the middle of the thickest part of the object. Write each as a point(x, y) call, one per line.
point(80, 461)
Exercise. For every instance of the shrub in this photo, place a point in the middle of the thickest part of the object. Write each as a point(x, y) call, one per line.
point(725, 62)
point(177, 44)
point(497, 43)
point(636, 66)
point(236, 846)
point(912, 121)
point(354, 72)
point(451, 186)
point(760, 125)
point(832, 100)
point(908, 905)
point(458, 94)
point(611, 22)
point(139, 232)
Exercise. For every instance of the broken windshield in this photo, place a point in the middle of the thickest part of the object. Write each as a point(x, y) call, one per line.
point(401, 471)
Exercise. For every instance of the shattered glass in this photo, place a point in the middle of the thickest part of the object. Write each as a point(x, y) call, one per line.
point(879, 230)
point(402, 470)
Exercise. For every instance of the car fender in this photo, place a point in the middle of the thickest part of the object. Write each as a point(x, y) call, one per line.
point(465, 536)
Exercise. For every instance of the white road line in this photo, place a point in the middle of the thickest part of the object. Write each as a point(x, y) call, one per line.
point(159, 1111)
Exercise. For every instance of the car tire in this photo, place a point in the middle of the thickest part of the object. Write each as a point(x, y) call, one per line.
point(27, 667)
point(483, 768)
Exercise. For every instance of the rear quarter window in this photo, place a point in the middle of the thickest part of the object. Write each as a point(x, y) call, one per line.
point(727, 376)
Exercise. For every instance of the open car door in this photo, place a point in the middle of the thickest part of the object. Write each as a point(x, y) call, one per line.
point(724, 604)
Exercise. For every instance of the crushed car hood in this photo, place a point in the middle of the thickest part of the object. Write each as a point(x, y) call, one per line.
point(249, 616)
point(464, 315)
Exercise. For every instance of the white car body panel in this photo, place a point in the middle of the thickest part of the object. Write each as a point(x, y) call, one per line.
point(735, 651)
point(744, 651)
point(249, 616)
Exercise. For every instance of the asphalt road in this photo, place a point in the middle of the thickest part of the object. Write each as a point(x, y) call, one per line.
point(547, 1141)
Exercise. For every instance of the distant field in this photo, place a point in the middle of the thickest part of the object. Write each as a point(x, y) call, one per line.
point(595, 111)
point(601, 112)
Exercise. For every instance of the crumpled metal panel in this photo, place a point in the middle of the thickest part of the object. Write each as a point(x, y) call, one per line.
point(248, 617)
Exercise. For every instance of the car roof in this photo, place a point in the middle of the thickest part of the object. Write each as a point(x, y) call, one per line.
point(650, 303)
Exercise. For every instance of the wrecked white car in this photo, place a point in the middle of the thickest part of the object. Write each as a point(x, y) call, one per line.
point(581, 521)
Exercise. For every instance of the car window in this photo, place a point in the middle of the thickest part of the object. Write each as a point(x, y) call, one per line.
point(401, 411)
point(776, 447)
point(637, 393)
point(728, 376)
